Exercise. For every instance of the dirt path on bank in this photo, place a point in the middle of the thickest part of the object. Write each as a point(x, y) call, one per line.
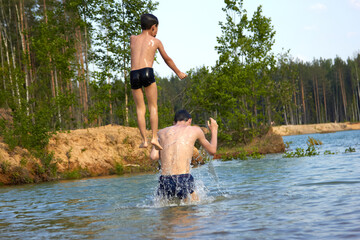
point(287, 130)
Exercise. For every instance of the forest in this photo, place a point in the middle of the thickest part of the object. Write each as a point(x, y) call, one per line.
point(65, 65)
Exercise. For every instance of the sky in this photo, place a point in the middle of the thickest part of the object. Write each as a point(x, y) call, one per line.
point(310, 29)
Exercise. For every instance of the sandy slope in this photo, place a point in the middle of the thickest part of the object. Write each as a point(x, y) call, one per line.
point(92, 151)
point(98, 149)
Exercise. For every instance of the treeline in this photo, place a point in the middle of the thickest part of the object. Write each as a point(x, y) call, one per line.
point(65, 64)
point(324, 90)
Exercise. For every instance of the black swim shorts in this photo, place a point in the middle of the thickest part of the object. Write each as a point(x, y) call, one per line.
point(143, 77)
point(176, 186)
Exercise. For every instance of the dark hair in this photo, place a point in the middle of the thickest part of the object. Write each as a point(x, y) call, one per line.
point(182, 115)
point(147, 20)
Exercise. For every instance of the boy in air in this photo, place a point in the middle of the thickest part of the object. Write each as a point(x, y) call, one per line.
point(143, 49)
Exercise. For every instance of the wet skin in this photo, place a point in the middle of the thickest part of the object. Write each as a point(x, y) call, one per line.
point(143, 49)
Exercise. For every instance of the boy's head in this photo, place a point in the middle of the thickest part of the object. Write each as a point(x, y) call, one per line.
point(148, 20)
point(182, 115)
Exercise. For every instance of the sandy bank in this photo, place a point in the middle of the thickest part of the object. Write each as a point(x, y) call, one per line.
point(287, 130)
point(80, 153)
point(97, 151)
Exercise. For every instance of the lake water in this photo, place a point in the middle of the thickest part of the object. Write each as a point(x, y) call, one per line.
point(270, 198)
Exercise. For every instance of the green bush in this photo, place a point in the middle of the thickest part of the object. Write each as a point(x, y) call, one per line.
point(119, 168)
point(300, 152)
point(350, 150)
point(74, 174)
point(20, 175)
point(5, 166)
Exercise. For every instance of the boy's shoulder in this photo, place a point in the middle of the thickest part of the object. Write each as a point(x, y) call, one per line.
point(156, 40)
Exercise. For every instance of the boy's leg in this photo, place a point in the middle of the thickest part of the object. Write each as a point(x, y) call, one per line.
point(140, 113)
point(151, 95)
point(194, 197)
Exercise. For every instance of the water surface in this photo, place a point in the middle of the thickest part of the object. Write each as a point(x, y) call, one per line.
point(270, 198)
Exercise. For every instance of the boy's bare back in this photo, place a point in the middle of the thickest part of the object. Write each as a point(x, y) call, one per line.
point(143, 49)
point(178, 146)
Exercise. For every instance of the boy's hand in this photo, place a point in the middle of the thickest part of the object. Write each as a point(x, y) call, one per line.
point(182, 75)
point(213, 125)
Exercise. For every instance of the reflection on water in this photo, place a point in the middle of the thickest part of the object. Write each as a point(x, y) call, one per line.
point(177, 222)
point(271, 198)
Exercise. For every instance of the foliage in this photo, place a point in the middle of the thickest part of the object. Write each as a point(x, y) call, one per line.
point(45, 79)
point(5, 166)
point(256, 155)
point(119, 168)
point(312, 141)
point(20, 175)
point(350, 150)
point(74, 174)
point(287, 144)
point(300, 152)
point(238, 86)
point(48, 163)
point(29, 131)
point(328, 152)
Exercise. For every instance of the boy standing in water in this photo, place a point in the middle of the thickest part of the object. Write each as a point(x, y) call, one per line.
point(143, 49)
point(178, 146)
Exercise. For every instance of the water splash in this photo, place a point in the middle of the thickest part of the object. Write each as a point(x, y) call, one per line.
point(155, 201)
point(211, 169)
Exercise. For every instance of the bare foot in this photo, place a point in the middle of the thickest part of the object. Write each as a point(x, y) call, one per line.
point(156, 144)
point(144, 145)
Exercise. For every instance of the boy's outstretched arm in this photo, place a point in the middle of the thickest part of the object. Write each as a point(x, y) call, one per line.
point(170, 62)
point(211, 146)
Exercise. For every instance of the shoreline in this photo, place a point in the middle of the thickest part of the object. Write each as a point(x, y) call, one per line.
point(113, 150)
point(99, 151)
point(288, 130)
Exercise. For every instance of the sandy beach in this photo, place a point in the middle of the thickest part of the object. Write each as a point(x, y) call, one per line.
point(287, 130)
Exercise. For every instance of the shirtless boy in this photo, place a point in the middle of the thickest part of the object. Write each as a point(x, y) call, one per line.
point(143, 49)
point(178, 146)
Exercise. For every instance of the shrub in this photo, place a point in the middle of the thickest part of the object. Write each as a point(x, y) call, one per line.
point(312, 141)
point(74, 174)
point(5, 166)
point(350, 150)
point(119, 168)
point(300, 152)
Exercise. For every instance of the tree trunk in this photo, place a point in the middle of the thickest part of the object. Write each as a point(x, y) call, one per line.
point(16, 79)
point(110, 103)
point(342, 86)
point(81, 98)
point(318, 99)
point(315, 100)
point(8, 63)
point(21, 30)
point(50, 59)
point(358, 89)
point(2, 64)
point(85, 101)
point(126, 96)
point(126, 101)
point(285, 116)
point(57, 95)
point(268, 110)
point(336, 100)
point(86, 60)
point(303, 100)
point(325, 106)
point(68, 83)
